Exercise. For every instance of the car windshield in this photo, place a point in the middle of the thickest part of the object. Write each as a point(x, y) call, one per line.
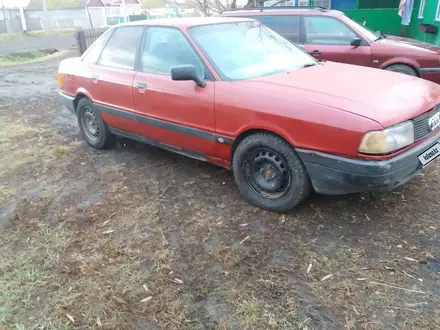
point(370, 34)
point(246, 50)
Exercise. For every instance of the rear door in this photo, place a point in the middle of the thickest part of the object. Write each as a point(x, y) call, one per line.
point(112, 77)
point(328, 38)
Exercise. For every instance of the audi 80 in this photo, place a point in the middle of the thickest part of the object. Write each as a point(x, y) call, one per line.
point(235, 93)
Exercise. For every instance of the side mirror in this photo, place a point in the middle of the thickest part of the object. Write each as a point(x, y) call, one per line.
point(356, 42)
point(187, 72)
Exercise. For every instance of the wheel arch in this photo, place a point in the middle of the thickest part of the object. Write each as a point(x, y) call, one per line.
point(80, 93)
point(411, 64)
point(250, 131)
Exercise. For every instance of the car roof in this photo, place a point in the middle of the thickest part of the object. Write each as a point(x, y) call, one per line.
point(186, 22)
point(262, 11)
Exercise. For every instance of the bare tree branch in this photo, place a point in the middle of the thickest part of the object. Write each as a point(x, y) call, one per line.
point(174, 6)
point(210, 7)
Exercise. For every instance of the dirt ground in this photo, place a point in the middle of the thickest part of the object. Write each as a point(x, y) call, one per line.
point(140, 238)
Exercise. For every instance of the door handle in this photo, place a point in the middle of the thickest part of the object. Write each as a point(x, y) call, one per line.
point(141, 85)
point(315, 52)
point(95, 77)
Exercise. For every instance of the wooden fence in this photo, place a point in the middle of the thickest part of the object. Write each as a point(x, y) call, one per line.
point(86, 37)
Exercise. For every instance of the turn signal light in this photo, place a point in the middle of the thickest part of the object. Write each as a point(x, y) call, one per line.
point(60, 79)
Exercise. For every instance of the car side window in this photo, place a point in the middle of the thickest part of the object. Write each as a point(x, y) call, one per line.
point(92, 55)
point(327, 30)
point(287, 26)
point(120, 51)
point(164, 48)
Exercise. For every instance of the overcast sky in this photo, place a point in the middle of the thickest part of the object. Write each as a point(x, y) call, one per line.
point(14, 3)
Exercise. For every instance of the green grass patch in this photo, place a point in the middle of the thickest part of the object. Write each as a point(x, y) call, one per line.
point(62, 151)
point(20, 36)
point(28, 57)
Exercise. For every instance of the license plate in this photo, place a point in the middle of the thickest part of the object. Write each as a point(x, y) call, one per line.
point(429, 155)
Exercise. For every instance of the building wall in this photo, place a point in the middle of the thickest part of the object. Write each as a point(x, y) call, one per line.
point(98, 16)
point(384, 20)
point(10, 21)
point(10, 25)
point(428, 18)
point(57, 19)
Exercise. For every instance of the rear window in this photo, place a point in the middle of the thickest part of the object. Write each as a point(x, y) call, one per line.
point(120, 51)
point(321, 30)
point(287, 26)
point(93, 53)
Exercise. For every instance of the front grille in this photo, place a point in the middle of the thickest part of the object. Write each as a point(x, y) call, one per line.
point(421, 126)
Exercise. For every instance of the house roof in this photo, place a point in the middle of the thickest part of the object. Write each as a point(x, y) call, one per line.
point(119, 2)
point(95, 3)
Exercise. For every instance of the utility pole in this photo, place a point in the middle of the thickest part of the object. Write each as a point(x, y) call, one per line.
point(88, 15)
point(23, 20)
point(123, 9)
point(3, 9)
point(46, 15)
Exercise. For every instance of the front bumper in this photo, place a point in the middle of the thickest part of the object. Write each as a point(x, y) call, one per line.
point(68, 102)
point(431, 74)
point(335, 175)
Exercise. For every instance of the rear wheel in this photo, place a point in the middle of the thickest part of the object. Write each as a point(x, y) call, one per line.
point(93, 128)
point(405, 69)
point(269, 173)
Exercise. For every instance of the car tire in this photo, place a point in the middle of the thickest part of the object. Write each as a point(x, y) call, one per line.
point(269, 173)
point(93, 128)
point(401, 68)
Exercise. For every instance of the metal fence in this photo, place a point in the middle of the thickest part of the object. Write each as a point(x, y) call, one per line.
point(10, 21)
point(86, 37)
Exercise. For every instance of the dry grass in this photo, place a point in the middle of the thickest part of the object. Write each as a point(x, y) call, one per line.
point(62, 151)
point(19, 36)
point(11, 131)
point(24, 144)
point(5, 194)
point(29, 57)
point(136, 238)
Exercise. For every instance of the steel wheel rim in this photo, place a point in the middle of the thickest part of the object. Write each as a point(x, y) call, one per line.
point(90, 125)
point(266, 173)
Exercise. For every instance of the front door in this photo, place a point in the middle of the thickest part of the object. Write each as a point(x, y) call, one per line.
point(177, 113)
point(327, 38)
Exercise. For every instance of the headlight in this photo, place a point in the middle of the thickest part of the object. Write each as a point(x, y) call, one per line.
point(388, 140)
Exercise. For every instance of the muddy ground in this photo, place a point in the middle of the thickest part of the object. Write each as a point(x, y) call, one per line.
point(140, 238)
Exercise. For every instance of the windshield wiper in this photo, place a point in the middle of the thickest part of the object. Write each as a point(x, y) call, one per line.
point(381, 36)
point(308, 65)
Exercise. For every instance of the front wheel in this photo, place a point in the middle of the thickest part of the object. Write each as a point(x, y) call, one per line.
point(269, 173)
point(401, 68)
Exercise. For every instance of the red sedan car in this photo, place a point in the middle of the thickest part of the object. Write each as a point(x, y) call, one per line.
point(331, 35)
point(233, 92)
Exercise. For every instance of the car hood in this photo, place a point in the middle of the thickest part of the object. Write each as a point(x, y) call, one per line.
point(409, 43)
point(385, 97)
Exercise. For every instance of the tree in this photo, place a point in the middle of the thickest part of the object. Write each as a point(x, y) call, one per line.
point(211, 7)
point(207, 7)
point(55, 4)
point(257, 3)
